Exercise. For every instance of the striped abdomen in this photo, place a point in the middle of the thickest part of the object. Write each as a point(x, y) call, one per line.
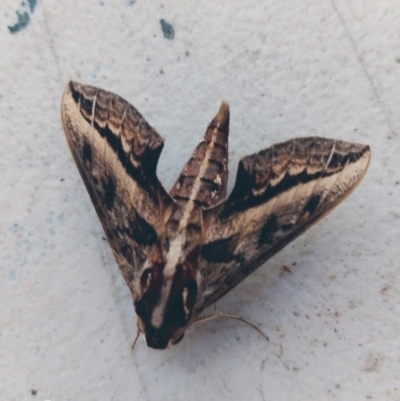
point(203, 179)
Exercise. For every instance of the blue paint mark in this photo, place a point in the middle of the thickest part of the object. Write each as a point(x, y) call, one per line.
point(23, 17)
point(167, 29)
point(32, 5)
point(23, 21)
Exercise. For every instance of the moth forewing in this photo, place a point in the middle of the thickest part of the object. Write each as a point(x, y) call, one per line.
point(180, 252)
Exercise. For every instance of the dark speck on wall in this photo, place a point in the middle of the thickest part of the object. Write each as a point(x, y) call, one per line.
point(167, 29)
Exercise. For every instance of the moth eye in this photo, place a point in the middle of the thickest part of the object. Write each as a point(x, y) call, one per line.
point(145, 279)
point(189, 295)
point(185, 294)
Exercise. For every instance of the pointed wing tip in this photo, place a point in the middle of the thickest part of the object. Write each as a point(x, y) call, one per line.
point(73, 90)
point(67, 91)
point(367, 155)
point(70, 92)
point(363, 161)
point(71, 85)
point(223, 112)
point(69, 104)
point(361, 155)
point(65, 105)
point(368, 152)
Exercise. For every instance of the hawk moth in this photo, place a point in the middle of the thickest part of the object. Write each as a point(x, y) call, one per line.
point(180, 251)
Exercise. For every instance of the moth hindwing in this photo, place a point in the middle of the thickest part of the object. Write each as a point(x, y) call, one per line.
point(179, 252)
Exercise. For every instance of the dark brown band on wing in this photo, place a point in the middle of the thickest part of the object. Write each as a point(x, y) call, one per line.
point(250, 178)
point(147, 157)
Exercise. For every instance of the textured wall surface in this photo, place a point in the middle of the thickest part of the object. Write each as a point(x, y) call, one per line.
point(328, 68)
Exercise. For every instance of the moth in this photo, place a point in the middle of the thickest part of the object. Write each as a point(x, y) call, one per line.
point(181, 251)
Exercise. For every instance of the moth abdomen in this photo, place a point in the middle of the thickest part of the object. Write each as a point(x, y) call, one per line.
point(206, 191)
point(204, 177)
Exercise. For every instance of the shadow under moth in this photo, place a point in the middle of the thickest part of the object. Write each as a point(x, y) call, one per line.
point(181, 251)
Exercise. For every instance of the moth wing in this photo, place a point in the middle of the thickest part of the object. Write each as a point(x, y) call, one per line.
point(116, 152)
point(279, 193)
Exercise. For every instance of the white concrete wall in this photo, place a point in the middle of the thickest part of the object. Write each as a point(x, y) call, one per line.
point(287, 68)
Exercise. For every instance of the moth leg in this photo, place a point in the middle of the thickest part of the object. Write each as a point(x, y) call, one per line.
point(138, 332)
point(217, 314)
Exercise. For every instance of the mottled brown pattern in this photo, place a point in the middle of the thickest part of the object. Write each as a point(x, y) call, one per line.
point(116, 152)
point(181, 252)
point(279, 193)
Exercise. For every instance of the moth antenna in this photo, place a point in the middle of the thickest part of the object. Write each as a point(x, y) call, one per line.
point(217, 314)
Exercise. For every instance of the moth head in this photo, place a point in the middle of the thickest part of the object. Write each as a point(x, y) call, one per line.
point(164, 302)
